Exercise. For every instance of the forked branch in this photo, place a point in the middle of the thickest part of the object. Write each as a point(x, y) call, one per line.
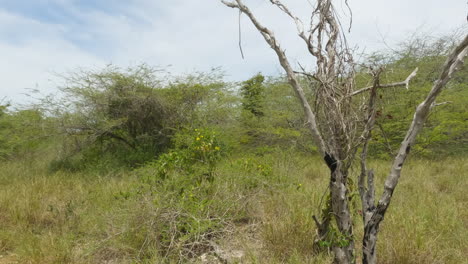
point(299, 25)
point(367, 193)
point(453, 63)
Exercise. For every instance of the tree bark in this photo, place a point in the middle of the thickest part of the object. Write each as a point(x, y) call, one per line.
point(374, 216)
point(293, 80)
point(343, 247)
point(334, 131)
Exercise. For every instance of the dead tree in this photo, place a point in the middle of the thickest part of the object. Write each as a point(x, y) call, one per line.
point(373, 213)
point(341, 124)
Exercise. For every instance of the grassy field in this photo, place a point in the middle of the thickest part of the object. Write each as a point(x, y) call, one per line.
point(257, 210)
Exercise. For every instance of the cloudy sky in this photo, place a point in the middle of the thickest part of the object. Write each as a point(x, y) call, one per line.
point(42, 38)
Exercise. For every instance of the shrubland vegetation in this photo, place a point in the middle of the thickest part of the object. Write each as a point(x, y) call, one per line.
point(447, 124)
point(141, 166)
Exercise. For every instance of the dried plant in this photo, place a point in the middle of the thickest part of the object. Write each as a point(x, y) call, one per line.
point(341, 119)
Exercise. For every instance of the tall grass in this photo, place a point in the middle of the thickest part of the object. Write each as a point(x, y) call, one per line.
point(261, 206)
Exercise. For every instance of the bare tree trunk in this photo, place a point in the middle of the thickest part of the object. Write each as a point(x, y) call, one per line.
point(373, 215)
point(344, 245)
point(331, 63)
point(333, 121)
point(369, 254)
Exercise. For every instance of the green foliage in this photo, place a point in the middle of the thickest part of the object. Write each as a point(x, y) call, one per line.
point(187, 216)
point(194, 208)
point(216, 164)
point(114, 217)
point(22, 132)
point(111, 111)
point(445, 130)
point(195, 151)
point(281, 122)
point(250, 187)
point(131, 116)
point(253, 95)
point(252, 165)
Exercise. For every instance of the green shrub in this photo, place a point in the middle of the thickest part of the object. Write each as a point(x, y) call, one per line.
point(130, 115)
point(22, 132)
point(195, 151)
point(445, 130)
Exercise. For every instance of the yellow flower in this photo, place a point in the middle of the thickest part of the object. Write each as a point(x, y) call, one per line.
point(197, 138)
point(217, 148)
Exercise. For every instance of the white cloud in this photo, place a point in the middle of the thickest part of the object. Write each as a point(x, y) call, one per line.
point(188, 35)
point(33, 57)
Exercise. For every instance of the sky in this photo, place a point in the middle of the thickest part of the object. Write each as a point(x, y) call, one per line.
point(43, 39)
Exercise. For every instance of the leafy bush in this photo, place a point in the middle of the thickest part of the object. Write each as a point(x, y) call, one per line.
point(129, 115)
point(253, 95)
point(271, 116)
point(195, 152)
point(445, 132)
point(21, 132)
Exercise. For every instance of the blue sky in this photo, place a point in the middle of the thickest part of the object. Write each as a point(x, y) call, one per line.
point(40, 39)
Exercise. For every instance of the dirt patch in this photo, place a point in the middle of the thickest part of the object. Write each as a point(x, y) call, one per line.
point(241, 243)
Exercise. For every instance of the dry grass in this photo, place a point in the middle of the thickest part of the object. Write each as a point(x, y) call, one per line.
point(84, 218)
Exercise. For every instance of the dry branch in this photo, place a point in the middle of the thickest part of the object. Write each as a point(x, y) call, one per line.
point(453, 63)
point(334, 120)
point(434, 104)
point(333, 81)
point(270, 38)
point(367, 194)
point(389, 85)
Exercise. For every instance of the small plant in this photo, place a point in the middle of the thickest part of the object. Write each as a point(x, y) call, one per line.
point(204, 148)
point(254, 166)
point(195, 152)
point(191, 211)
